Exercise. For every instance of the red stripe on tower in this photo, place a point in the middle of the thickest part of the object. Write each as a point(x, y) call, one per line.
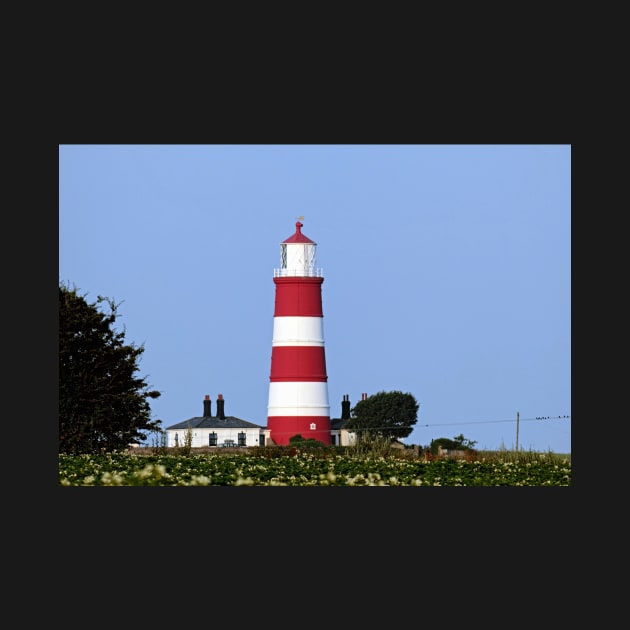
point(298, 388)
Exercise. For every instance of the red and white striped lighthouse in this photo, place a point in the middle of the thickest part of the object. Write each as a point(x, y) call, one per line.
point(298, 387)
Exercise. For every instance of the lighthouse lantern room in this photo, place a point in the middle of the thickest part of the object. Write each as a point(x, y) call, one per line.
point(298, 387)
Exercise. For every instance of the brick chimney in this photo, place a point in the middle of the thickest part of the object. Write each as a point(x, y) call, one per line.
point(345, 407)
point(220, 410)
point(207, 406)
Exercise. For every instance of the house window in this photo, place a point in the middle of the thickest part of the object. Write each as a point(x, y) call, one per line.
point(241, 438)
point(212, 439)
point(176, 439)
point(313, 426)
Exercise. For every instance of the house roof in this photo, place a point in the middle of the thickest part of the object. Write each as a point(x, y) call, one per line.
point(337, 423)
point(214, 422)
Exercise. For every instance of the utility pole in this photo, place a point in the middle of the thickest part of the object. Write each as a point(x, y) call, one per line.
point(517, 430)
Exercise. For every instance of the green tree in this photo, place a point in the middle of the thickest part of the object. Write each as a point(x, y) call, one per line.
point(301, 442)
point(103, 404)
point(388, 415)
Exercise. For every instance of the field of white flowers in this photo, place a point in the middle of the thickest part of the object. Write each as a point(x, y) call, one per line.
point(309, 469)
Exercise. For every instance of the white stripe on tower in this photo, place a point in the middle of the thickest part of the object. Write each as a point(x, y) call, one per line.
point(298, 389)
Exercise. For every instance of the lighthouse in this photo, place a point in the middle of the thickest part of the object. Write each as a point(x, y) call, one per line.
point(298, 384)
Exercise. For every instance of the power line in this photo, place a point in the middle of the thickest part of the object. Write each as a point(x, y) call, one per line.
point(443, 424)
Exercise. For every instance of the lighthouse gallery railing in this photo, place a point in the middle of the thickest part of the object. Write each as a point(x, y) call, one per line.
point(303, 273)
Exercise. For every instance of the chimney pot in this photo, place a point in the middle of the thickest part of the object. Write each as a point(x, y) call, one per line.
point(207, 406)
point(220, 407)
point(345, 407)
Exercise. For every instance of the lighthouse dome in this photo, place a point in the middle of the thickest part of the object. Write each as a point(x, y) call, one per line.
point(297, 255)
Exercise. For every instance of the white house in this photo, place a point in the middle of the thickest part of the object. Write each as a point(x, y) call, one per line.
point(219, 430)
point(340, 435)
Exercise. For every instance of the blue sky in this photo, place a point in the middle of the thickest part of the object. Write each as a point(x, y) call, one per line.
point(447, 274)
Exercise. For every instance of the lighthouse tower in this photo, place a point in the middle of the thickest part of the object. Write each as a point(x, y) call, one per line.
point(298, 388)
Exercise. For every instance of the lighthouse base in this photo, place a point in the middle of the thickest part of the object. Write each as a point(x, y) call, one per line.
point(283, 428)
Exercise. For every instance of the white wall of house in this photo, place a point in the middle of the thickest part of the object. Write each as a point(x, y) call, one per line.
point(342, 437)
point(201, 437)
